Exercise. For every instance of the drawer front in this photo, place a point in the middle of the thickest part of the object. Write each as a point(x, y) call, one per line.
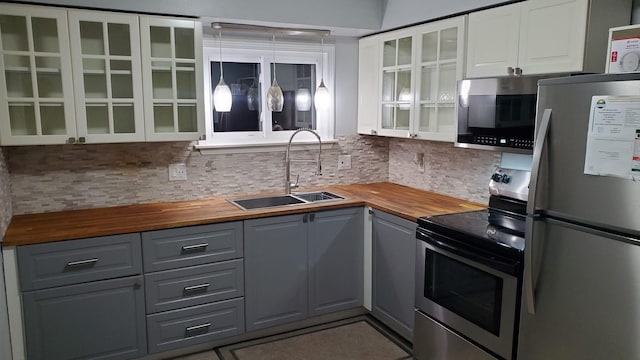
point(77, 261)
point(188, 246)
point(194, 325)
point(173, 289)
point(97, 320)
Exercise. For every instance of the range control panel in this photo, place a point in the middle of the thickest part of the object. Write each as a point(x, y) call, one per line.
point(510, 183)
point(503, 141)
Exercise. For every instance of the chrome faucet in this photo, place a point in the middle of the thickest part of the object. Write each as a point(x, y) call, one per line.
point(287, 160)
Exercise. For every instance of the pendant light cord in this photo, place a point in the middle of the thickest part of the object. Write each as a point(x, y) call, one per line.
point(321, 58)
point(220, 39)
point(273, 42)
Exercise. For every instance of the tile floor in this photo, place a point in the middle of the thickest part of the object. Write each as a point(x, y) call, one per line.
point(354, 339)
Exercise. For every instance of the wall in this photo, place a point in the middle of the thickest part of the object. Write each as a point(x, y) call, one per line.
point(5, 194)
point(462, 173)
point(50, 178)
point(346, 85)
point(352, 14)
point(398, 13)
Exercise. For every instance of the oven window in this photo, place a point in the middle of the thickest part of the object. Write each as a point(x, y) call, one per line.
point(465, 290)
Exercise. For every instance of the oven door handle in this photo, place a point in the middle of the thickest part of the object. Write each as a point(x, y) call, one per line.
point(510, 267)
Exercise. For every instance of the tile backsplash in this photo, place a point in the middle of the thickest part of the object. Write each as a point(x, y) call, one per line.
point(64, 177)
point(463, 173)
point(5, 194)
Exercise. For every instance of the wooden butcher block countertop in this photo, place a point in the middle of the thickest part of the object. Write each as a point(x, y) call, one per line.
point(403, 201)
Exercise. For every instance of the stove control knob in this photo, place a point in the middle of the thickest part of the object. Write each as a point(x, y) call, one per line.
point(496, 177)
point(506, 179)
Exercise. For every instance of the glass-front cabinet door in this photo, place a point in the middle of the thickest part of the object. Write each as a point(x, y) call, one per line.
point(397, 92)
point(440, 59)
point(36, 98)
point(172, 78)
point(107, 77)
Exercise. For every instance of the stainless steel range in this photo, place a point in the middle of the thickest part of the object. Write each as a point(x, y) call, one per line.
point(469, 276)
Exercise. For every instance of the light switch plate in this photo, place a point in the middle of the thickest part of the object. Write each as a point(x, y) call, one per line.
point(344, 162)
point(177, 172)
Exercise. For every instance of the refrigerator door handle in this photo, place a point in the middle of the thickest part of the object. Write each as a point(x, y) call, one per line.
point(529, 270)
point(541, 138)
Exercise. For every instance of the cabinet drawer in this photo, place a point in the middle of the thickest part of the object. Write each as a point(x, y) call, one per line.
point(174, 248)
point(195, 325)
point(76, 261)
point(173, 289)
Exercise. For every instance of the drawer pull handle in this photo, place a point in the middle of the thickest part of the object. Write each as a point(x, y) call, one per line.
point(82, 262)
point(196, 247)
point(198, 328)
point(196, 287)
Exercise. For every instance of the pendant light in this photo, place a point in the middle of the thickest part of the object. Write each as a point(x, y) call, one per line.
point(322, 99)
point(275, 98)
point(222, 94)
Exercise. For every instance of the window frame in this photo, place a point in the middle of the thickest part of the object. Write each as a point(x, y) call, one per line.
point(242, 50)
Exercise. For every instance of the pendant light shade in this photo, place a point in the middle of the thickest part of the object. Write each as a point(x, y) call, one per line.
point(322, 99)
point(275, 98)
point(222, 99)
point(303, 99)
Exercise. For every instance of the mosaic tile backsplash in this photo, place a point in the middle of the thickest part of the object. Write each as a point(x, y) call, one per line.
point(5, 194)
point(462, 173)
point(65, 177)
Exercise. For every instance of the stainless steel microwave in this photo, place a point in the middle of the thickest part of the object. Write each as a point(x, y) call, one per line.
point(497, 113)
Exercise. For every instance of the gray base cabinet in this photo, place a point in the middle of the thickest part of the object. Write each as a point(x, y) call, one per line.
point(275, 258)
point(194, 284)
point(336, 270)
point(393, 299)
point(96, 320)
point(302, 265)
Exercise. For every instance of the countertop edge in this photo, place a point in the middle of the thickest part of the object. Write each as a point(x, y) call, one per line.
point(31, 229)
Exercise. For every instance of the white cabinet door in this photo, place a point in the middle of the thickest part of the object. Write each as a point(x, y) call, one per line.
point(396, 83)
point(552, 36)
point(173, 86)
point(368, 96)
point(105, 49)
point(493, 41)
point(36, 94)
point(439, 66)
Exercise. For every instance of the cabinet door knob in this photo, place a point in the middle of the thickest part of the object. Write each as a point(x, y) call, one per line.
point(373, 132)
point(510, 70)
point(82, 140)
point(312, 217)
point(370, 211)
point(305, 218)
point(518, 71)
point(71, 140)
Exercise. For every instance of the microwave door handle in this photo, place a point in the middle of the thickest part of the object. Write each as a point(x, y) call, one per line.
point(529, 270)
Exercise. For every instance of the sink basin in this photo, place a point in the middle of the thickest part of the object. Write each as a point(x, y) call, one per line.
point(266, 202)
point(284, 200)
point(318, 196)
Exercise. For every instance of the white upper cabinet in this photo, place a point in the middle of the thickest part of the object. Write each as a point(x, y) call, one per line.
point(36, 90)
point(368, 65)
point(172, 78)
point(75, 76)
point(542, 37)
point(407, 81)
point(107, 76)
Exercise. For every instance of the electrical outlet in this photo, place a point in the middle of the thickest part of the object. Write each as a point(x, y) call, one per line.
point(344, 162)
point(177, 172)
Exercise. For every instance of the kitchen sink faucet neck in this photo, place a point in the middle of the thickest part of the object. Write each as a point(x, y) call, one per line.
point(287, 160)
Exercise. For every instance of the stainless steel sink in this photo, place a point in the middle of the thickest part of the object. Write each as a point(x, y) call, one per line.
point(318, 196)
point(284, 200)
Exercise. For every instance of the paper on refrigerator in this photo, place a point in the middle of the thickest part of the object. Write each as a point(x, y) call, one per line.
point(613, 139)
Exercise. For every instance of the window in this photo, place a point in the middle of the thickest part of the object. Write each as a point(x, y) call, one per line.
point(249, 71)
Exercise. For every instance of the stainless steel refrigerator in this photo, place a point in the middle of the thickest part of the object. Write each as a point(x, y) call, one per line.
point(581, 292)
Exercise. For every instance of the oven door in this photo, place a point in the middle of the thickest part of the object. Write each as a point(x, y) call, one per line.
point(471, 293)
